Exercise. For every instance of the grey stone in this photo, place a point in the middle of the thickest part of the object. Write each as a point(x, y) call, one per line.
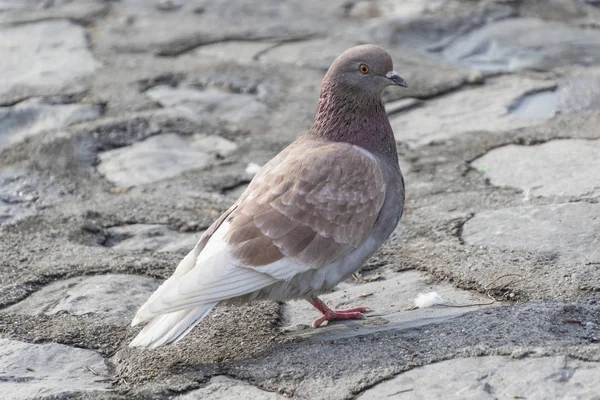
point(571, 229)
point(7, 5)
point(536, 105)
point(407, 9)
point(233, 108)
point(223, 388)
point(45, 58)
point(577, 93)
point(33, 116)
point(525, 43)
point(398, 106)
point(103, 295)
point(484, 108)
point(237, 51)
point(214, 144)
point(146, 237)
point(159, 157)
point(363, 9)
point(28, 11)
point(493, 378)
point(580, 91)
point(390, 297)
point(317, 53)
point(13, 12)
point(15, 204)
point(410, 8)
point(560, 167)
point(33, 371)
point(139, 26)
point(13, 213)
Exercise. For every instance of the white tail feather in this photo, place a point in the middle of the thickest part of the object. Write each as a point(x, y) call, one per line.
point(170, 328)
point(206, 276)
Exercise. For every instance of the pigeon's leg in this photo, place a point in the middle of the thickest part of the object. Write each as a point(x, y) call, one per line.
point(333, 315)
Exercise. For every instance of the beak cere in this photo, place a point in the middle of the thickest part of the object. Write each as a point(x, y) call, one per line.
point(396, 79)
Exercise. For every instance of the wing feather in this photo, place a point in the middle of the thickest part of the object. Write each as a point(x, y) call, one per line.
point(323, 205)
point(215, 277)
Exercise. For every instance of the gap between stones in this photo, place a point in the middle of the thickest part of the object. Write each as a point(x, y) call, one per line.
point(184, 45)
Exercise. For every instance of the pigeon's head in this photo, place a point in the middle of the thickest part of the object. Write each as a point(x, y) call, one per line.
point(365, 69)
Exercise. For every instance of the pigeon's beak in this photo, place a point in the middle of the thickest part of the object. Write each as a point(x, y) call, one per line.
point(396, 79)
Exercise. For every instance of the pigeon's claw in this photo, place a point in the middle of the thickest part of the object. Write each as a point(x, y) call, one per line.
point(335, 315)
point(338, 315)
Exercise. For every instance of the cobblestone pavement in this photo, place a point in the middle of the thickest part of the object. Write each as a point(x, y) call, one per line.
point(127, 126)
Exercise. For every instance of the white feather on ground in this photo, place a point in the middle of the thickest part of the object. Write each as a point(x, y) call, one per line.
point(425, 300)
point(252, 169)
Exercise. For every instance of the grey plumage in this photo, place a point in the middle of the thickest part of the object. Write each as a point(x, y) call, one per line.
point(308, 220)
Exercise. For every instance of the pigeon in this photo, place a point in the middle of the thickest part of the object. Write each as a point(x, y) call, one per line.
point(309, 218)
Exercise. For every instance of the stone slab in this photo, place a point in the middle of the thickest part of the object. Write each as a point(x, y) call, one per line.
point(233, 108)
point(33, 116)
point(139, 26)
point(159, 157)
point(493, 378)
point(577, 93)
point(406, 9)
point(111, 295)
point(149, 237)
point(571, 230)
point(33, 371)
point(515, 44)
point(44, 58)
point(224, 388)
point(214, 144)
point(484, 108)
point(12, 212)
point(234, 50)
point(557, 168)
point(16, 201)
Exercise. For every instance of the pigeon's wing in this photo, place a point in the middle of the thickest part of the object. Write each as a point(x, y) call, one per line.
point(308, 209)
point(309, 206)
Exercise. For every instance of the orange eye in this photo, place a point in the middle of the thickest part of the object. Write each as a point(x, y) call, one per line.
point(364, 69)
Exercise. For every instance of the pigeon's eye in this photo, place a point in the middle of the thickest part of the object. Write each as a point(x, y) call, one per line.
point(364, 69)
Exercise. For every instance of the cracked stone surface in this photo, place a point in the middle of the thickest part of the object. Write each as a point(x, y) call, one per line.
point(463, 111)
point(234, 108)
point(390, 297)
point(103, 295)
point(571, 229)
point(148, 237)
point(559, 168)
point(40, 370)
point(491, 377)
point(44, 58)
point(33, 116)
point(221, 387)
point(159, 157)
point(127, 127)
point(16, 201)
point(525, 43)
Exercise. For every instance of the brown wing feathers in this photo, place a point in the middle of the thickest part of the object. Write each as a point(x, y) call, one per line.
point(325, 210)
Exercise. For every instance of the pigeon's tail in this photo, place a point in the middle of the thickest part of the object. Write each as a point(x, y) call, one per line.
point(171, 327)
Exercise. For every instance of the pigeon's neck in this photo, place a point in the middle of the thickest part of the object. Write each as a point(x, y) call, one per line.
point(342, 116)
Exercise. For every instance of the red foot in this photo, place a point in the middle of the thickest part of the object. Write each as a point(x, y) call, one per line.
point(333, 315)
